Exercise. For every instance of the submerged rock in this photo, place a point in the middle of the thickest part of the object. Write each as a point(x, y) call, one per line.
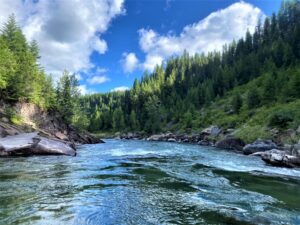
point(231, 143)
point(33, 144)
point(259, 146)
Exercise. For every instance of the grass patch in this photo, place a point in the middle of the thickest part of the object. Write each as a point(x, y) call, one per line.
point(251, 133)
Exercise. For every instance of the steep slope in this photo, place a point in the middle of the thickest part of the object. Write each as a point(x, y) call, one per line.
point(27, 117)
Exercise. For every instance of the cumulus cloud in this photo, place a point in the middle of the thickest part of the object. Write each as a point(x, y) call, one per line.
point(98, 79)
point(122, 88)
point(129, 62)
point(209, 34)
point(84, 90)
point(67, 31)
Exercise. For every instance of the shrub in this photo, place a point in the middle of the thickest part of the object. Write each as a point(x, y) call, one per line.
point(281, 119)
point(13, 116)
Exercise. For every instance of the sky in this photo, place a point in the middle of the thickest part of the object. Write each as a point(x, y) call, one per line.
point(109, 43)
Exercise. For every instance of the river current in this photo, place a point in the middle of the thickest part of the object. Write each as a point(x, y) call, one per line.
point(139, 182)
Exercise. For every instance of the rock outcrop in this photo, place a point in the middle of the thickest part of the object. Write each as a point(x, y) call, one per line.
point(231, 143)
point(279, 158)
point(259, 146)
point(33, 144)
point(212, 130)
point(48, 123)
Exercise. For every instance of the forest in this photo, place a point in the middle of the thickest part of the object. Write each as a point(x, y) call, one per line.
point(254, 82)
point(22, 78)
point(252, 85)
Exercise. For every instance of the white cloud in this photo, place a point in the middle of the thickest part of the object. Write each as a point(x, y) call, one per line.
point(122, 88)
point(129, 62)
point(100, 46)
point(67, 31)
point(102, 70)
point(84, 90)
point(209, 34)
point(98, 79)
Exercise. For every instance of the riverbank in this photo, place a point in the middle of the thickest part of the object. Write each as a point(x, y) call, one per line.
point(25, 129)
point(270, 151)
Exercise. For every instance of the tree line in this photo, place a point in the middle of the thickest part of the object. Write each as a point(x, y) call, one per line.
point(173, 95)
point(22, 79)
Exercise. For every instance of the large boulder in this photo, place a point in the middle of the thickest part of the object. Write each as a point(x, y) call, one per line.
point(212, 130)
point(280, 158)
point(231, 143)
point(171, 140)
point(259, 146)
point(46, 146)
point(296, 149)
point(156, 137)
point(18, 142)
point(33, 144)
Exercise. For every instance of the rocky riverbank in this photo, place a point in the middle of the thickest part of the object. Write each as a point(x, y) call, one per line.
point(38, 132)
point(273, 153)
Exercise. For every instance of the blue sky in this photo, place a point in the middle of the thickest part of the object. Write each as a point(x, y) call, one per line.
point(109, 43)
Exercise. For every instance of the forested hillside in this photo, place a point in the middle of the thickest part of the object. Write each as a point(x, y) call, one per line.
point(22, 79)
point(253, 85)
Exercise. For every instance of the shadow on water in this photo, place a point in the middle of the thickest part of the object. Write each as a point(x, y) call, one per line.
point(286, 190)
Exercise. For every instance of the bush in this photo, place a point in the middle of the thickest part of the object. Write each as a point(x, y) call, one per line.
point(251, 133)
point(281, 119)
point(13, 116)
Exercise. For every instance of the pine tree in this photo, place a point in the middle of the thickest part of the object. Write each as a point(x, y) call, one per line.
point(236, 103)
point(253, 98)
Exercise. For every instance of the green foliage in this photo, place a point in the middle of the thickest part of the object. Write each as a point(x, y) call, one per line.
point(188, 119)
point(21, 78)
point(253, 98)
point(118, 119)
point(67, 93)
point(13, 116)
point(251, 133)
point(79, 118)
point(236, 103)
point(281, 119)
point(242, 85)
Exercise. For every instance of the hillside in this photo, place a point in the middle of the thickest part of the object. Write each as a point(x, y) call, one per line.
point(250, 88)
point(29, 101)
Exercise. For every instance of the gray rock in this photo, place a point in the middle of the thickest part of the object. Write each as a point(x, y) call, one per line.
point(287, 147)
point(5, 120)
point(277, 157)
point(231, 144)
point(156, 137)
point(33, 144)
point(18, 142)
point(61, 136)
point(51, 147)
point(171, 140)
point(204, 143)
point(259, 146)
point(296, 150)
point(212, 130)
point(3, 132)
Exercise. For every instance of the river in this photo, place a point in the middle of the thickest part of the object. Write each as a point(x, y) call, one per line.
point(139, 182)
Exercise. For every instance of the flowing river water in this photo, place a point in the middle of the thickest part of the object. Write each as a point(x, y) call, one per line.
point(139, 182)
